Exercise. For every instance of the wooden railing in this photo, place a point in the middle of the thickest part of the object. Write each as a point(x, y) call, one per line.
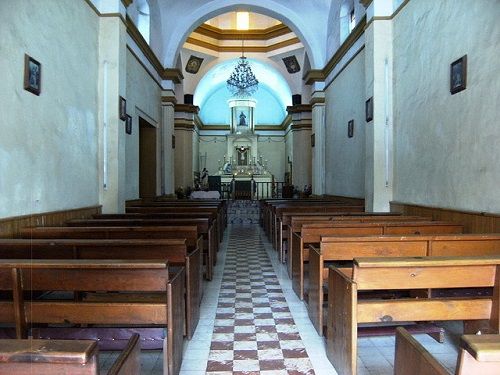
point(255, 190)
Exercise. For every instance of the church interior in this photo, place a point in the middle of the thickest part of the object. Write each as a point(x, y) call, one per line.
point(250, 187)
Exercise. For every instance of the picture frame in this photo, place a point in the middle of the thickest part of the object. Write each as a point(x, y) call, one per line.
point(458, 75)
point(369, 109)
point(193, 65)
point(350, 129)
point(313, 139)
point(128, 124)
point(173, 141)
point(32, 75)
point(123, 108)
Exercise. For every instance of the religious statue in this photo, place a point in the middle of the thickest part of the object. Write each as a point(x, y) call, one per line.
point(243, 121)
point(227, 168)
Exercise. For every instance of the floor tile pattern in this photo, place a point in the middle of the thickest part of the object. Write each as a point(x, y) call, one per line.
point(254, 332)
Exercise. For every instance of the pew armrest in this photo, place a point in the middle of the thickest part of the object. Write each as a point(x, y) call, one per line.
point(412, 358)
point(129, 361)
point(484, 348)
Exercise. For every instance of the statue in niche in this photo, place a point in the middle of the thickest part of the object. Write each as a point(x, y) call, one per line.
point(242, 155)
point(243, 120)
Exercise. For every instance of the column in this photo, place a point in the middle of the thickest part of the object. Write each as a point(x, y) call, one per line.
point(185, 152)
point(301, 129)
point(168, 102)
point(112, 85)
point(319, 135)
point(378, 84)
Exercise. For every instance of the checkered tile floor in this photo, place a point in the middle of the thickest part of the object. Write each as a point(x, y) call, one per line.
point(254, 332)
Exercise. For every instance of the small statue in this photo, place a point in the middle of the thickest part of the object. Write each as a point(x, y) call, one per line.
point(227, 169)
point(243, 121)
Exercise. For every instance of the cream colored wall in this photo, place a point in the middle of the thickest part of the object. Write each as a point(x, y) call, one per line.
point(273, 150)
point(143, 99)
point(345, 157)
point(48, 146)
point(183, 158)
point(447, 146)
point(215, 147)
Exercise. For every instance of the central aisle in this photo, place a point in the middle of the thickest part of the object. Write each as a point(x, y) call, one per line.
point(251, 321)
point(254, 329)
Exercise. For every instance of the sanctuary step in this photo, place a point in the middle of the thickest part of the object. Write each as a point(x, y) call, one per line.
point(243, 212)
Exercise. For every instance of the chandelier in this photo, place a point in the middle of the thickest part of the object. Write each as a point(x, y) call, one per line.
point(242, 82)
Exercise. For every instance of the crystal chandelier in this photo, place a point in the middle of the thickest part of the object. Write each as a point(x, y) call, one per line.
point(242, 82)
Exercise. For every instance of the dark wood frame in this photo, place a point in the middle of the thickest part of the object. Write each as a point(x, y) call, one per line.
point(458, 75)
point(128, 125)
point(173, 141)
point(27, 75)
point(350, 129)
point(369, 109)
point(122, 108)
point(313, 139)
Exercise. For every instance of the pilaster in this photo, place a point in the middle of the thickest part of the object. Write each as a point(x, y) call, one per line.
point(168, 102)
point(301, 128)
point(318, 136)
point(186, 150)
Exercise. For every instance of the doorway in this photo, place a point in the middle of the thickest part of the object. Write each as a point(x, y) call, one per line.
point(147, 159)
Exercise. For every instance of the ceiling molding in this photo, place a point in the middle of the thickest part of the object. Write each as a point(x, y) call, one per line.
point(187, 108)
point(232, 34)
point(299, 108)
point(255, 49)
point(317, 75)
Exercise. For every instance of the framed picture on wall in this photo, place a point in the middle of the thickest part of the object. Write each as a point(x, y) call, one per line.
point(128, 124)
point(123, 108)
point(32, 75)
point(458, 75)
point(350, 128)
point(369, 109)
point(313, 139)
point(173, 141)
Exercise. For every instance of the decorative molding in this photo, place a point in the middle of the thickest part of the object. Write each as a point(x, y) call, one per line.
point(300, 126)
point(182, 124)
point(320, 75)
point(231, 34)
point(187, 108)
point(126, 3)
point(366, 3)
point(92, 6)
point(317, 101)
point(299, 108)
point(255, 49)
point(169, 99)
point(173, 74)
point(343, 68)
point(314, 75)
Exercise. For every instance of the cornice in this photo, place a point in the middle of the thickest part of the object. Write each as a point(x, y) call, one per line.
point(169, 99)
point(174, 75)
point(232, 34)
point(306, 126)
point(126, 3)
point(316, 101)
point(254, 49)
point(320, 75)
point(187, 108)
point(299, 108)
point(366, 3)
point(183, 125)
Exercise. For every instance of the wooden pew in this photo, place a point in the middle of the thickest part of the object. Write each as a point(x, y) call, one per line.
point(346, 311)
point(174, 251)
point(203, 226)
point(478, 354)
point(294, 228)
point(23, 276)
point(335, 249)
point(310, 234)
point(75, 357)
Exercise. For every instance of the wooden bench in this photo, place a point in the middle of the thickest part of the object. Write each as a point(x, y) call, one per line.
point(335, 249)
point(294, 228)
point(174, 251)
point(23, 276)
point(478, 354)
point(203, 226)
point(346, 311)
point(310, 234)
point(75, 357)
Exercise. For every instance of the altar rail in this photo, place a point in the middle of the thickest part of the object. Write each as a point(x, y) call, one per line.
point(255, 190)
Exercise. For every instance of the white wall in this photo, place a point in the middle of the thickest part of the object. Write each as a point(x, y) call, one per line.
point(143, 99)
point(447, 146)
point(345, 157)
point(273, 150)
point(214, 147)
point(48, 146)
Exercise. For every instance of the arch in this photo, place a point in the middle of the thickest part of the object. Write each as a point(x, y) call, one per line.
point(346, 9)
point(309, 37)
point(143, 18)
